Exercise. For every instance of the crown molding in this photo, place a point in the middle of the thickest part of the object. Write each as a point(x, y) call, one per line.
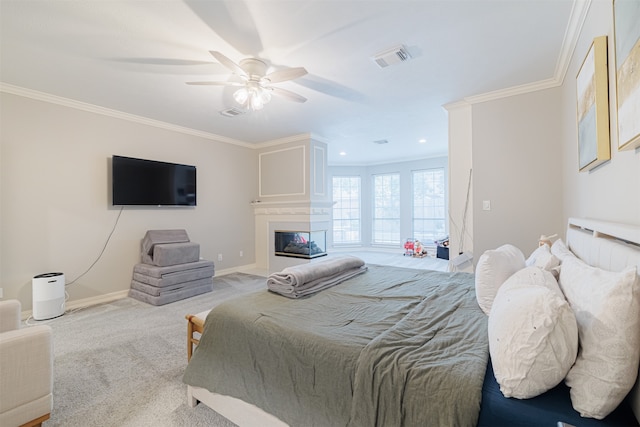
point(307, 211)
point(577, 18)
point(574, 29)
point(91, 108)
point(512, 91)
point(78, 105)
point(302, 137)
point(451, 106)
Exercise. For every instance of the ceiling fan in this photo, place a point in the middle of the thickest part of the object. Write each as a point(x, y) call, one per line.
point(256, 88)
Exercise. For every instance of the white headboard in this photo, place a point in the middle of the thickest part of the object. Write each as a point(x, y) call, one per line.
point(610, 246)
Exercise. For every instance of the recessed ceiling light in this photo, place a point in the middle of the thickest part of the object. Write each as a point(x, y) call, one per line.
point(422, 141)
point(343, 153)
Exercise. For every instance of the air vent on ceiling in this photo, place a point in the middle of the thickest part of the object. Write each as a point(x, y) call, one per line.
point(392, 56)
point(231, 112)
point(381, 141)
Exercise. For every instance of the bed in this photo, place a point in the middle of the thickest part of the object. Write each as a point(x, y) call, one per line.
point(389, 347)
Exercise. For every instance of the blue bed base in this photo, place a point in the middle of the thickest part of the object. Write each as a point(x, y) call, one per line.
point(545, 410)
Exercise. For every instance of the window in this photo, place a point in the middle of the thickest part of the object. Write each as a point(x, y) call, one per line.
point(428, 205)
point(386, 209)
point(346, 210)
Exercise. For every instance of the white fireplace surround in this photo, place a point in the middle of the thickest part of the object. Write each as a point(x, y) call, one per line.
point(301, 215)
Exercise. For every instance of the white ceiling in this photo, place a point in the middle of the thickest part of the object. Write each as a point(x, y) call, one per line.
point(135, 57)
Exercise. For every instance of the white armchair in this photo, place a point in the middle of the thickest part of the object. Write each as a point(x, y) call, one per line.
point(26, 369)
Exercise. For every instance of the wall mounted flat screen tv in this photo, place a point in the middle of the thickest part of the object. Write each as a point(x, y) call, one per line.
point(140, 182)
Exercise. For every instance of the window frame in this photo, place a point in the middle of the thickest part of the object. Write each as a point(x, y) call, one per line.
point(336, 208)
point(436, 234)
point(393, 223)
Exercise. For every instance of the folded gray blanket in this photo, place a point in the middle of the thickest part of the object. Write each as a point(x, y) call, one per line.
point(306, 279)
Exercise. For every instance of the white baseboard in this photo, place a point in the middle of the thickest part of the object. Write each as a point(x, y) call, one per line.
point(113, 296)
point(100, 299)
point(86, 302)
point(238, 269)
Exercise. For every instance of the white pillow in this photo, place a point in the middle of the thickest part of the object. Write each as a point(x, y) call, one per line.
point(560, 250)
point(493, 268)
point(533, 335)
point(543, 258)
point(607, 309)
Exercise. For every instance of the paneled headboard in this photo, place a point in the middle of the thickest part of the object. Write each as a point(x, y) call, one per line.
point(610, 246)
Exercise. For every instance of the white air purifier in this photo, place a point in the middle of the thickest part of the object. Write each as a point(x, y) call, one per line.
point(48, 296)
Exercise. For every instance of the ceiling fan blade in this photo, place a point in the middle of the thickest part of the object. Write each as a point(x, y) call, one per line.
point(216, 83)
point(331, 88)
point(233, 21)
point(228, 63)
point(286, 74)
point(287, 94)
point(161, 61)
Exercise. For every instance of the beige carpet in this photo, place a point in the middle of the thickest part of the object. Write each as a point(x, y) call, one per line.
point(121, 364)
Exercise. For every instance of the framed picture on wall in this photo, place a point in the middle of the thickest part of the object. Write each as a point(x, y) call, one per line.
point(626, 15)
point(594, 146)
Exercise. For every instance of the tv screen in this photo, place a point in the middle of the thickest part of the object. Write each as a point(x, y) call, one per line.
point(143, 182)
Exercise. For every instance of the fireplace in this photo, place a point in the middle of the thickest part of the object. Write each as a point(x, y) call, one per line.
point(300, 244)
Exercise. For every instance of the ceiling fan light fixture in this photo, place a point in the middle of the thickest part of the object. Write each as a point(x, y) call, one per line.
point(265, 95)
point(256, 90)
point(252, 96)
point(256, 102)
point(241, 96)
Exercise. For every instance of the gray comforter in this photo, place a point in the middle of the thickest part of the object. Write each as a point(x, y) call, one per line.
point(390, 347)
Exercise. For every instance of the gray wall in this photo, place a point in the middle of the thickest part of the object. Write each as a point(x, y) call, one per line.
point(611, 191)
point(517, 167)
point(55, 204)
point(525, 159)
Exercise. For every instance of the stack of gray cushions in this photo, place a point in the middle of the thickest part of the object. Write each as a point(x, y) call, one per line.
point(171, 269)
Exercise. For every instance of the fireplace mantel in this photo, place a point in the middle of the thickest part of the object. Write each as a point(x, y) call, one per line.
point(302, 215)
point(300, 207)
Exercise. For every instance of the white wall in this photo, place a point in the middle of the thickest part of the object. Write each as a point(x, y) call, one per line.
point(460, 213)
point(55, 205)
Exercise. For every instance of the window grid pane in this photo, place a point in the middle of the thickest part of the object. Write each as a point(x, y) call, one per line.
point(428, 205)
point(346, 210)
point(386, 208)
